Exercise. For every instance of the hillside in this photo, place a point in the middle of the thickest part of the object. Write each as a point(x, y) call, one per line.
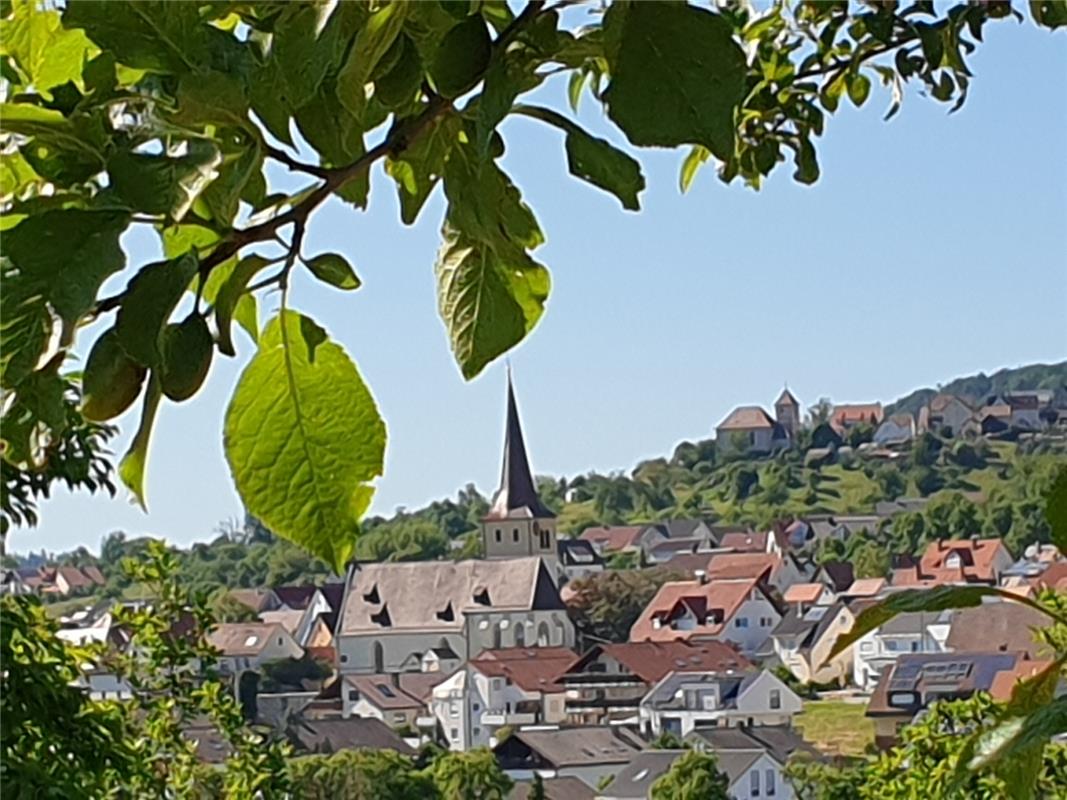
point(1032, 376)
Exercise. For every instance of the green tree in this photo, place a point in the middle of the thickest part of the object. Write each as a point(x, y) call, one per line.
point(694, 776)
point(605, 605)
point(473, 775)
point(359, 775)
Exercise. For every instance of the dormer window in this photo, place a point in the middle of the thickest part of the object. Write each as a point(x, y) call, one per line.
point(481, 596)
point(446, 614)
point(372, 595)
point(382, 617)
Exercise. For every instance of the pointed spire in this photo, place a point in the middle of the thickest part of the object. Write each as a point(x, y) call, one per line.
point(517, 495)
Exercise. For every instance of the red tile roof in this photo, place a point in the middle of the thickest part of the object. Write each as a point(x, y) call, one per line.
point(651, 661)
point(977, 561)
point(855, 413)
point(745, 418)
point(804, 592)
point(737, 566)
point(532, 669)
point(747, 541)
point(613, 537)
point(720, 600)
point(1054, 577)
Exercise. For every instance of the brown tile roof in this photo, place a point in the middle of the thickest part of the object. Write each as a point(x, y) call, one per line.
point(688, 563)
point(854, 413)
point(565, 788)
point(1005, 626)
point(575, 746)
point(532, 669)
point(940, 402)
point(745, 541)
point(651, 661)
point(1004, 681)
point(803, 592)
point(243, 638)
point(745, 418)
point(256, 599)
point(786, 398)
point(354, 733)
point(737, 566)
point(433, 595)
point(714, 602)
point(613, 537)
point(288, 618)
point(976, 559)
point(74, 577)
point(1054, 577)
point(94, 574)
point(382, 692)
point(866, 587)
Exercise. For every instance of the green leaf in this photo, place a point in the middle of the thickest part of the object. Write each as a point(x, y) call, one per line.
point(461, 58)
point(211, 98)
point(186, 348)
point(25, 328)
point(488, 300)
point(47, 54)
point(180, 239)
point(859, 89)
point(161, 184)
point(223, 195)
point(39, 400)
point(301, 418)
point(334, 269)
point(229, 300)
point(595, 160)
point(372, 43)
point(1049, 13)
point(933, 43)
point(66, 254)
point(1015, 745)
point(304, 49)
point(807, 163)
point(156, 35)
point(398, 87)
point(133, 464)
point(151, 296)
point(693, 162)
point(677, 75)
point(418, 169)
point(111, 380)
point(912, 600)
point(334, 131)
point(1056, 510)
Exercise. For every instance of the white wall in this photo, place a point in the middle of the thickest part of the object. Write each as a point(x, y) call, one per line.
point(741, 789)
point(752, 634)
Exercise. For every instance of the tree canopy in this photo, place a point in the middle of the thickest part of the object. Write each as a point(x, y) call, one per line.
point(165, 115)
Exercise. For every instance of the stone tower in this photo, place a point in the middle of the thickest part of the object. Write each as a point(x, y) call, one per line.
point(787, 410)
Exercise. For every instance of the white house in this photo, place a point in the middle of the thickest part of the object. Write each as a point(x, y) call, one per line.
point(896, 429)
point(918, 632)
point(682, 701)
point(515, 687)
point(751, 774)
point(737, 611)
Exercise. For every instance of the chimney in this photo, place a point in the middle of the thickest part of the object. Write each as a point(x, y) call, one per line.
point(394, 678)
point(940, 542)
point(701, 576)
point(974, 541)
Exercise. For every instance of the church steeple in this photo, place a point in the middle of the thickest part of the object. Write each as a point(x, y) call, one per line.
point(516, 498)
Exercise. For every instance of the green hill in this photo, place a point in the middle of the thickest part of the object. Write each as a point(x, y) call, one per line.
point(976, 387)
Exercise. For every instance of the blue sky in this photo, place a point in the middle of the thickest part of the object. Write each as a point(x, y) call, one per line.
point(933, 246)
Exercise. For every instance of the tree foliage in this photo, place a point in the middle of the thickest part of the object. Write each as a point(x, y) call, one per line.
point(693, 776)
point(605, 605)
point(167, 115)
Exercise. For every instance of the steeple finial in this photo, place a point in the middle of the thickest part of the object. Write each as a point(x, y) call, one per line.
point(517, 495)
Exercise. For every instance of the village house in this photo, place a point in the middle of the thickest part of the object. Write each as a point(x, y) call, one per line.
point(399, 699)
point(742, 612)
point(779, 571)
point(1001, 626)
point(948, 561)
point(249, 645)
point(947, 414)
point(682, 701)
point(606, 685)
point(394, 613)
point(877, 650)
point(589, 754)
point(846, 416)
point(578, 558)
point(895, 429)
point(750, 429)
point(917, 680)
point(609, 539)
point(805, 636)
point(836, 575)
point(511, 688)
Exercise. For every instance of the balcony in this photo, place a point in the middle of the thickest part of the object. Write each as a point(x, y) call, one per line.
point(500, 716)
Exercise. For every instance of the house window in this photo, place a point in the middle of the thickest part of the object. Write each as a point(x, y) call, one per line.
point(914, 647)
point(353, 695)
point(514, 534)
point(454, 733)
point(344, 658)
point(866, 647)
point(776, 699)
point(279, 641)
point(546, 540)
point(753, 783)
point(769, 780)
point(890, 645)
point(498, 534)
point(765, 622)
point(741, 622)
point(476, 708)
point(477, 731)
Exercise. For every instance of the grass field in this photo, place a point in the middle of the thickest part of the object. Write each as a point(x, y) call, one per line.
point(836, 727)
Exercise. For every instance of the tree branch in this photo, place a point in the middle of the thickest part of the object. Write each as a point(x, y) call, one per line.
point(293, 164)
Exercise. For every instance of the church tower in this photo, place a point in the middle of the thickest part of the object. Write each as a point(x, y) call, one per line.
point(518, 523)
point(787, 410)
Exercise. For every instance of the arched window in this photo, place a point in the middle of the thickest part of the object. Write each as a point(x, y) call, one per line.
point(520, 634)
point(379, 657)
point(496, 636)
point(542, 635)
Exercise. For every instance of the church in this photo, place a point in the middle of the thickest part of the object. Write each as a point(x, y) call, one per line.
point(436, 615)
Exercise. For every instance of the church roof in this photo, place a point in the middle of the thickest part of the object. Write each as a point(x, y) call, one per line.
point(786, 398)
point(517, 496)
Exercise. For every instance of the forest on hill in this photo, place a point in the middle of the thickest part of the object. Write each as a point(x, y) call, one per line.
point(980, 386)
